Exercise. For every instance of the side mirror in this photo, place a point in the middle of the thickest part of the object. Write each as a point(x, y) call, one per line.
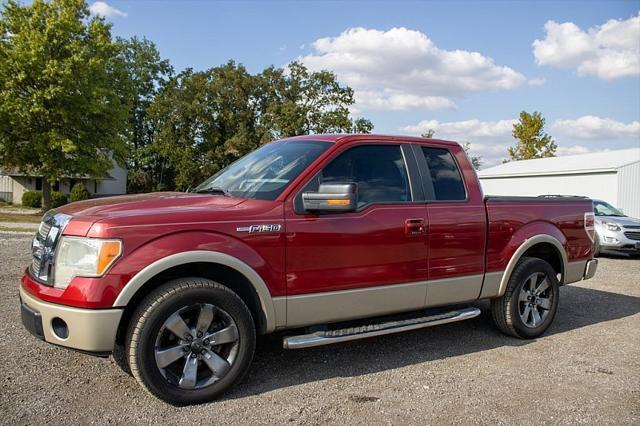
point(333, 198)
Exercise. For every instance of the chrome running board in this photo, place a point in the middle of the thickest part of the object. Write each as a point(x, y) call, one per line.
point(328, 337)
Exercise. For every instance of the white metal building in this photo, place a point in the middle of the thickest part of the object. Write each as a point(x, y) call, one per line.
point(612, 176)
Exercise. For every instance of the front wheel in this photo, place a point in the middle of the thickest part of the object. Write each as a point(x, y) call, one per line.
point(190, 340)
point(530, 301)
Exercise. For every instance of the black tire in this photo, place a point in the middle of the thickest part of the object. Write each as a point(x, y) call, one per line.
point(147, 324)
point(506, 310)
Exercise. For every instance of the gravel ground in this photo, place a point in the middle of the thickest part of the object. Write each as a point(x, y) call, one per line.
point(586, 369)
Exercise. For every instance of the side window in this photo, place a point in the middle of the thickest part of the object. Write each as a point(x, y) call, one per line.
point(378, 170)
point(445, 175)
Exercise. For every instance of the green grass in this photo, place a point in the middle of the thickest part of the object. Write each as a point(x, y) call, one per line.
point(20, 218)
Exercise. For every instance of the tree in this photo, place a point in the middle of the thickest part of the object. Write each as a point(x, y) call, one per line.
point(428, 134)
point(300, 102)
point(476, 160)
point(62, 106)
point(532, 141)
point(148, 73)
point(204, 121)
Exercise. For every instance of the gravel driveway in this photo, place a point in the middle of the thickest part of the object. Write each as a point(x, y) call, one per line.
point(586, 369)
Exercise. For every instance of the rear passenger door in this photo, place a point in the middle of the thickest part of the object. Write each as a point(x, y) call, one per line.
point(457, 228)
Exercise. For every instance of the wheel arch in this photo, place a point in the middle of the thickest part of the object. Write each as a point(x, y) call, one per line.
point(545, 247)
point(221, 267)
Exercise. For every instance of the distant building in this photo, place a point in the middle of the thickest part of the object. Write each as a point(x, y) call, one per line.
point(14, 183)
point(612, 176)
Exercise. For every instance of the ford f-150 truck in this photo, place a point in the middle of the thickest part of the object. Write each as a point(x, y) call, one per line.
point(332, 237)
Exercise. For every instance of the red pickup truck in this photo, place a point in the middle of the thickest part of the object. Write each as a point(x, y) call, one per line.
point(334, 237)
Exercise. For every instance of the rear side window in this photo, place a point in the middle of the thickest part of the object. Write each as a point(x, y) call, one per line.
point(378, 170)
point(445, 175)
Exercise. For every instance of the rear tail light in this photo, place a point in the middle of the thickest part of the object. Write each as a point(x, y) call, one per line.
point(589, 225)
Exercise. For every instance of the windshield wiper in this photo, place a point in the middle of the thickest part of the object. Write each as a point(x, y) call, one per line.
point(214, 190)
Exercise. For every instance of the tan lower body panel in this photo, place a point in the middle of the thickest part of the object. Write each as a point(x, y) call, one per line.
point(334, 306)
point(453, 290)
point(92, 330)
point(575, 271)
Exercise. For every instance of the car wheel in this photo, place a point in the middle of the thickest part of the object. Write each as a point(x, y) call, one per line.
point(190, 340)
point(530, 301)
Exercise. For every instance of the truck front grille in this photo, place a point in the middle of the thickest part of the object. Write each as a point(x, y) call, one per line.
point(632, 235)
point(43, 245)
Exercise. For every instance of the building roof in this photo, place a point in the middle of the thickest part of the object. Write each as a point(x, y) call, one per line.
point(595, 162)
point(14, 172)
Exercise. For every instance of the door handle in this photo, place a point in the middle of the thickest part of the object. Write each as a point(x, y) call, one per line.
point(415, 227)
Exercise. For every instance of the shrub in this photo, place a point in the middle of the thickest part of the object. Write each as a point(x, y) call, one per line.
point(32, 199)
point(79, 192)
point(58, 199)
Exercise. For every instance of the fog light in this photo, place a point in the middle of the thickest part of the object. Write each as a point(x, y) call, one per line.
point(60, 328)
point(610, 240)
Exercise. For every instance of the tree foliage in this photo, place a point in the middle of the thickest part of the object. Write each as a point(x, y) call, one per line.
point(532, 141)
point(63, 109)
point(476, 160)
point(206, 120)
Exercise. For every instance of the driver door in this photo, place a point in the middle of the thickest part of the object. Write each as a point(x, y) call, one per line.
point(371, 261)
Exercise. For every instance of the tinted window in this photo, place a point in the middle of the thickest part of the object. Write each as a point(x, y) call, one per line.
point(445, 175)
point(379, 171)
point(266, 172)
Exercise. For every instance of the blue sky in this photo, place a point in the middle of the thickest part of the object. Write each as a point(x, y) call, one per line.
point(412, 63)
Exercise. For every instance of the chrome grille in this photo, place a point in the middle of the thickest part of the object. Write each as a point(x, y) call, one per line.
point(631, 226)
point(43, 245)
point(632, 235)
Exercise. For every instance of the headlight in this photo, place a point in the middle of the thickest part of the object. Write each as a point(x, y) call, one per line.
point(84, 257)
point(613, 227)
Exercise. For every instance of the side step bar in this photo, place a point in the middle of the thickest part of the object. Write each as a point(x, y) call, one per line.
point(320, 338)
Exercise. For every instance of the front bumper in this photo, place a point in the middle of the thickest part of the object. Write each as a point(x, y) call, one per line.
point(617, 241)
point(89, 330)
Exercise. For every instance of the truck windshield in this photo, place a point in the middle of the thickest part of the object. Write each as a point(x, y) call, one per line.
point(264, 173)
point(601, 208)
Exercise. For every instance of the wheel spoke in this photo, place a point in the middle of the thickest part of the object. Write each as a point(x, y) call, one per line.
point(525, 315)
point(226, 335)
point(218, 365)
point(205, 318)
point(523, 296)
point(532, 283)
point(176, 324)
point(544, 303)
point(544, 285)
point(536, 317)
point(164, 357)
point(189, 373)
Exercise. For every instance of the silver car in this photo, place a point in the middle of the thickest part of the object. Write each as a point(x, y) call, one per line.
point(615, 232)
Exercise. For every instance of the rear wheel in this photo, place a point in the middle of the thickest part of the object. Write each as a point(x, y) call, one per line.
point(530, 301)
point(190, 340)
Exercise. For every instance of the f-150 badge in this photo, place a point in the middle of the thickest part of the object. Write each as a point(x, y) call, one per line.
point(252, 229)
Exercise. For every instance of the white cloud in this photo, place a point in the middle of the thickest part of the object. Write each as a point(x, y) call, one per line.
point(403, 69)
point(608, 51)
point(573, 150)
point(489, 139)
point(464, 130)
point(537, 81)
point(103, 9)
point(591, 127)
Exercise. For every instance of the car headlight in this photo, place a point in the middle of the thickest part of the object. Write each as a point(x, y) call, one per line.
point(84, 257)
point(613, 227)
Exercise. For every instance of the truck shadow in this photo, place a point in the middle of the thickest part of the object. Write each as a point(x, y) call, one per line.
point(275, 367)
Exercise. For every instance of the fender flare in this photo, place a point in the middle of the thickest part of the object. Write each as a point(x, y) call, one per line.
point(203, 256)
point(526, 245)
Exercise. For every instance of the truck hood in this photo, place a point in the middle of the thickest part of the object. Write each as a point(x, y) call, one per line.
point(136, 207)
